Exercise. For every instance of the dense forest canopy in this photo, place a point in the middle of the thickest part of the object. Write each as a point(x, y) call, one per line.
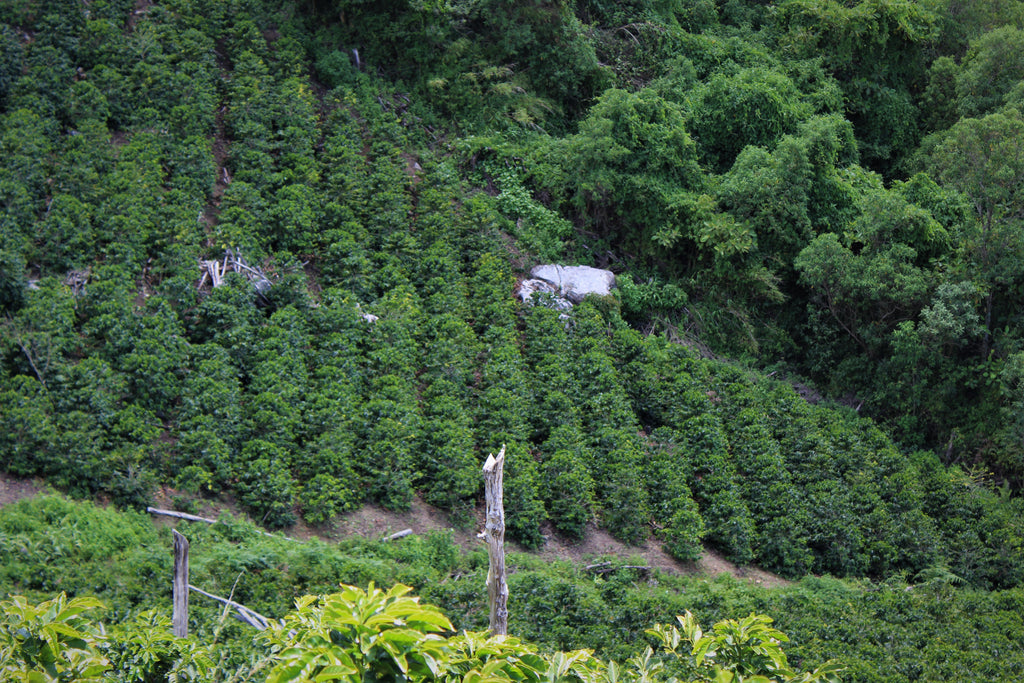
point(270, 248)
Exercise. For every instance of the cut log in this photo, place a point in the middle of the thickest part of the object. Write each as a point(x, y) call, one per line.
point(180, 515)
point(216, 272)
point(494, 536)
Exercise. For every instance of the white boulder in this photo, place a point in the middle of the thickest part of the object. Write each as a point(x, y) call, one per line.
point(576, 282)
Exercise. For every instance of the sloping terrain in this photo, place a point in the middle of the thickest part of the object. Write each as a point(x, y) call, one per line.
point(261, 256)
point(250, 251)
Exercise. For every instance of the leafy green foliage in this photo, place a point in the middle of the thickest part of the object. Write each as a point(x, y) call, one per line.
point(125, 560)
point(352, 634)
point(752, 107)
point(877, 51)
point(672, 503)
point(989, 72)
point(976, 157)
point(791, 193)
point(744, 649)
point(51, 640)
point(264, 483)
point(144, 649)
point(541, 230)
point(720, 179)
point(728, 521)
point(632, 162)
point(355, 633)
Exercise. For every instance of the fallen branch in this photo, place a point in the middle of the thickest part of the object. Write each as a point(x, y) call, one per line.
point(241, 265)
point(399, 534)
point(31, 362)
point(206, 520)
point(76, 280)
point(251, 617)
point(10, 328)
point(233, 261)
point(607, 568)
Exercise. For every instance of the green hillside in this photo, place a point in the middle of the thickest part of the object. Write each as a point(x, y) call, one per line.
point(271, 249)
point(883, 632)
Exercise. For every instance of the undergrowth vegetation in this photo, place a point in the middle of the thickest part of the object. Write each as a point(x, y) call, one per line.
point(925, 627)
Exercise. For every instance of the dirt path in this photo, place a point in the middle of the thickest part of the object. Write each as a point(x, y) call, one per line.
point(374, 522)
point(598, 544)
point(12, 490)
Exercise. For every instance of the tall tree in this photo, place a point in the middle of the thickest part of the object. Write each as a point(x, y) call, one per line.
point(984, 159)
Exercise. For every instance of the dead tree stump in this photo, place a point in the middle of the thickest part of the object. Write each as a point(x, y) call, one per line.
point(179, 618)
point(494, 536)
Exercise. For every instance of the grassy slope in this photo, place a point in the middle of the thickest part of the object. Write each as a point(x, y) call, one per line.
point(882, 632)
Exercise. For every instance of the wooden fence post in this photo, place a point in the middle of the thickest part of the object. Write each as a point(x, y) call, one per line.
point(494, 535)
point(179, 619)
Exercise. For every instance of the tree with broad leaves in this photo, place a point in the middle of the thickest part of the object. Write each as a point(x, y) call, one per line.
point(984, 159)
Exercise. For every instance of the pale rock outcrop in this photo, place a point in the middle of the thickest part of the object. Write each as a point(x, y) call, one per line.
point(562, 286)
point(576, 282)
point(530, 287)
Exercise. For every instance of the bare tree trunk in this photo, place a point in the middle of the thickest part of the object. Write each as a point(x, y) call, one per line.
point(494, 535)
point(986, 340)
point(179, 620)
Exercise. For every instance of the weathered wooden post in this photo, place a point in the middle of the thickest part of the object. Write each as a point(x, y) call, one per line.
point(494, 536)
point(179, 618)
